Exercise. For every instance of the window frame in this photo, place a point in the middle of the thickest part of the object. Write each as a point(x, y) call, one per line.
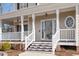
point(72, 24)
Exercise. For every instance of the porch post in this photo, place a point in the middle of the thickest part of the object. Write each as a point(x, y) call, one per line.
point(55, 40)
point(0, 30)
point(77, 27)
point(22, 28)
point(57, 18)
point(33, 25)
point(58, 27)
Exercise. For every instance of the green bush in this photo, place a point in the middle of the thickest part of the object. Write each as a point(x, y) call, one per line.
point(6, 46)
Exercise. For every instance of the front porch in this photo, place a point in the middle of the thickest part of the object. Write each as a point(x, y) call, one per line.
point(44, 27)
point(45, 23)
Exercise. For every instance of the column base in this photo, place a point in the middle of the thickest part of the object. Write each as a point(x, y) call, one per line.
point(77, 48)
point(58, 48)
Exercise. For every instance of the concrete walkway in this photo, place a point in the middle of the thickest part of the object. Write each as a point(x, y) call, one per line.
point(36, 53)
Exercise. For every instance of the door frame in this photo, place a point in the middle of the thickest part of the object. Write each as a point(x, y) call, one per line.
point(43, 20)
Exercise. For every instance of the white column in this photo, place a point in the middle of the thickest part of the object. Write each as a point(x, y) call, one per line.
point(77, 26)
point(56, 38)
point(22, 28)
point(0, 30)
point(33, 25)
point(57, 18)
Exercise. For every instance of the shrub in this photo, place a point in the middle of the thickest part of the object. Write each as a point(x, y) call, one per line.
point(6, 46)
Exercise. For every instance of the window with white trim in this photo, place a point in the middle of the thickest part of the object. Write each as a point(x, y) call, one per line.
point(69, 22)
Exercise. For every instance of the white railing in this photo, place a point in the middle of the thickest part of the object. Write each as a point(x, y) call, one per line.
point(26, 33)
point(62, 34)
point(67, 34)
point(55, 40)
point(13, 35)
point(28, 40)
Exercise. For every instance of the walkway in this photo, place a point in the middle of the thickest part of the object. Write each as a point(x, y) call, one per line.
point(36, 53)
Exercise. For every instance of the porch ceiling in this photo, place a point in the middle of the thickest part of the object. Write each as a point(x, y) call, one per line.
point(10, 19)
point(14, 19)
point(54, 11)
point(37, 9)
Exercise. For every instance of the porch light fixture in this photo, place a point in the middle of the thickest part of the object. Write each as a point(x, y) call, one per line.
point(69, 22)
point(46, 15)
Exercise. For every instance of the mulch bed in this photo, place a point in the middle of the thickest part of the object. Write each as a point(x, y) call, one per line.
point(67, 53)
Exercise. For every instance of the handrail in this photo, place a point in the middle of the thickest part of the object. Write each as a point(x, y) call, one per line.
point(14, 32)
point(28, 40)
point(55, 40)
point(28, 36)
point(67, 29)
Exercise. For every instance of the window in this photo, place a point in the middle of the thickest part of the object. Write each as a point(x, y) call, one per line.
point(31, 4)
point(19, 28)
point(18, 6)
point(25, 27)
point(69, 22)
point(7, 27)
point(23, 5)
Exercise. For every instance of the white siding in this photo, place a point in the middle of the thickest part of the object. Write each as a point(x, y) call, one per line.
point(26, 5)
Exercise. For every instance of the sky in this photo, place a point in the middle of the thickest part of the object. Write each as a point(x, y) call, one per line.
point(7, 7)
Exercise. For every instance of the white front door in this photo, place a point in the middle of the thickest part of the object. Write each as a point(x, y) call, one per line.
point(48, 27)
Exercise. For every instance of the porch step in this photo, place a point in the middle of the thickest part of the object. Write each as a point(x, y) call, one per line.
point(40, 46)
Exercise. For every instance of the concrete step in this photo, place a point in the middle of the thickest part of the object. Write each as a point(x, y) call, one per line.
point(35, 49)
point(40, 46)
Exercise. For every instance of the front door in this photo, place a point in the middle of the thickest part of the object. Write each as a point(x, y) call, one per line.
point(48, 27)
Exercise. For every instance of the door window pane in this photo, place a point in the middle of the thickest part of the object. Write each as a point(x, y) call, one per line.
point(48, 29)
point(43, 29)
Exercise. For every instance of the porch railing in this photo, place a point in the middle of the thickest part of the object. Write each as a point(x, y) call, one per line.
point(55, 40)
point(62, 35)
point(28, 40)
point(67, 34)
point(13, 35)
